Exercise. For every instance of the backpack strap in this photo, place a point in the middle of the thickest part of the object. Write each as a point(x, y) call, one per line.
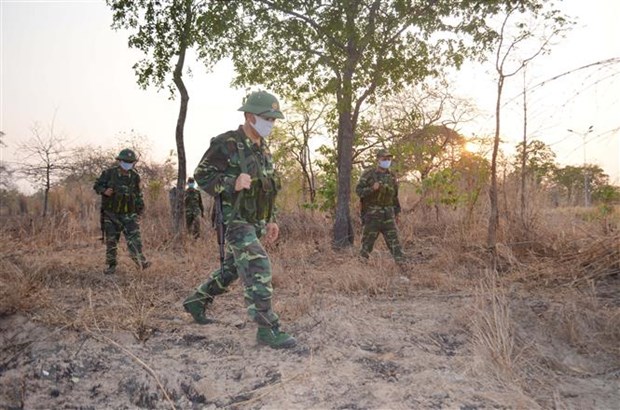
point(244, 170)
point(114, 177)
point(241, 150)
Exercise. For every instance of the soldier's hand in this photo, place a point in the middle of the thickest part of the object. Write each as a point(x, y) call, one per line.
point(271, 232)
point(376, 186)
point(108, 192)
point(243, 182)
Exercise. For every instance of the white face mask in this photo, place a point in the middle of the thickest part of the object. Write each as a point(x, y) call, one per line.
point(385, 164)
point(126, 165)
point(192, 185)
point(262, 126)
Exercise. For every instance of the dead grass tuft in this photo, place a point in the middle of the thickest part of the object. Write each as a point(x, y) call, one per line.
point(501, 353)
point(588, 324)
point(594, 258)
point(19, 290)
point(493, 330)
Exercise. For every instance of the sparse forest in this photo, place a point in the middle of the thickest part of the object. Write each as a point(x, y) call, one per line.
point(529, 319)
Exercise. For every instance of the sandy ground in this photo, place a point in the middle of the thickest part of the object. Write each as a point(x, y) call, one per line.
point(411, 349)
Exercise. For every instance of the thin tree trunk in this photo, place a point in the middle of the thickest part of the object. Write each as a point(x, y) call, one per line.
point(311, 180)
point(47, 190)
point(303, 160)
point(179, 135)
point(494, 216)
point(306, 166)
point(524, 154)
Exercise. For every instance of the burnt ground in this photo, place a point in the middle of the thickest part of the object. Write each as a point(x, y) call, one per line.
point(407, 349)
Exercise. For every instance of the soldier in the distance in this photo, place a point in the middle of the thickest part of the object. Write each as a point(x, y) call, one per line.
point(121, 206)
point(378, 191)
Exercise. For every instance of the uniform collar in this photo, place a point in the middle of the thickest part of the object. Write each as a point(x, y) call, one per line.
point(247, 141)
point(122, 171)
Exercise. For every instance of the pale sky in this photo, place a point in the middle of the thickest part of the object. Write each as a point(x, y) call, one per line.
point(62, 58)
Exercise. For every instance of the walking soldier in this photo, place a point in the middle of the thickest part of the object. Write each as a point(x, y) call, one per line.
point(378, 191)
point(121, 206)
point(238, 170)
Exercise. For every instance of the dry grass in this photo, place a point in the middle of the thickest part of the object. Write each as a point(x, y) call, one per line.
point(502, 351)
point(19, 291)
point(551, 287)
point(525, 340)
point(587, 322)
point(493, 330)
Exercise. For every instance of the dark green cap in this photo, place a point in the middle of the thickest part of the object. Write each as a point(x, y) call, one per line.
point(127, 155)
point(383, 153)
point(262, 103)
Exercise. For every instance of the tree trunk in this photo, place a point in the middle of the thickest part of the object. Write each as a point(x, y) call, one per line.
point(308, 173)
point(311, 177)
point(47, 190)
point(179, 136)
point(182, 174)
point(524, 154)
point(494, 215)
point(343, 230)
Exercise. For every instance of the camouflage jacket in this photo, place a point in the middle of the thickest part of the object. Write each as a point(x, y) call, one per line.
point(193, 202)
point(229, 155)
point(385, 196)
point(127, 196)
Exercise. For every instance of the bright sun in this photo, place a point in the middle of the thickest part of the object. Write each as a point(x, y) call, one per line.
point(471, 146)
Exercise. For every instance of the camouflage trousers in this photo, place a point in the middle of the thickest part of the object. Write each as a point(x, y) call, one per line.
point(245, 258)
point(376, 221)
point(115, 224)
point(192, 223)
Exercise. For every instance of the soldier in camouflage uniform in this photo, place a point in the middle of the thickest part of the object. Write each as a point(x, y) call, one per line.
point(378, 191)
point(121, 206)
point(239, 167)
point(193, 208)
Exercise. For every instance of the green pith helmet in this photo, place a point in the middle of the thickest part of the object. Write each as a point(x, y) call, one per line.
point(127, 155)
point(383, 153)
point(262, 103)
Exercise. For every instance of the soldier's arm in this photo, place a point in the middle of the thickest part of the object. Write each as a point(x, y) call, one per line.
point(364, 186)
point(278, 186)
point(202, 208)
point(273, 218)
point(101, 184)
point(396, 201)
point(213, 173)
point(139, 197)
